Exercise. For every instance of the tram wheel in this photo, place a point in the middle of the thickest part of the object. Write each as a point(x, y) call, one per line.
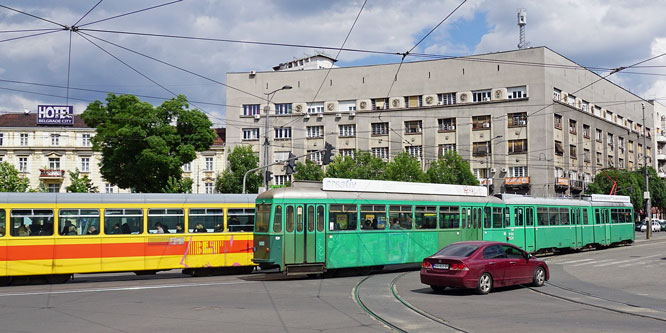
point(58, 278)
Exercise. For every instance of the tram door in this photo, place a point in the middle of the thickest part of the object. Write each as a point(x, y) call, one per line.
point(294, 235)
point(601, 220)
point(518, 227)
point(314, 234)
point(577, 225)
point(530, 235)
point(466, 225)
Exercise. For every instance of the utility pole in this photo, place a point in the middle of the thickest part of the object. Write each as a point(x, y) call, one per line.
point(490, 144)
point(267, 109)
point(648, 209)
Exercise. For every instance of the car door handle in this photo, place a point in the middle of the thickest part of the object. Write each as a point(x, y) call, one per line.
point(491, 263)
point(512, 262)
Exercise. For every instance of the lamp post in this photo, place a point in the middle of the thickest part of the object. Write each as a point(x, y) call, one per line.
point(490, 144)
point(269, 97)
point(648, 209)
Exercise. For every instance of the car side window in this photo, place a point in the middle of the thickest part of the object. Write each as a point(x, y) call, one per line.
point(493, 252)
point(512, 252)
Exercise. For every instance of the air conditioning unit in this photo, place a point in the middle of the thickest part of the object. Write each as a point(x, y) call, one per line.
point(486, 125)
point(338, 115)
point(320, 115)
point(307, 116)
point(493, 170)
point(257, 116)
point(352, 113)
point(504, 170)
point(486, 99)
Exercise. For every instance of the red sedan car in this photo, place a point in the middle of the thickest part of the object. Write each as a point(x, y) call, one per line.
point(482, 265)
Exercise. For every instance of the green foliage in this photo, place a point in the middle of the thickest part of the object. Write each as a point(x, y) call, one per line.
point(10, 180)
point(241, 159)
point(308, 171)
point(80, 184)
point(174, 185)
point(451, 169)
point(631, 183)
point(362, 166)
point(405, 168)
point(142, 146)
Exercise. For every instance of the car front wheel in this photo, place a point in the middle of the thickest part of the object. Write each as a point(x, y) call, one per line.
point(539, 277)
point(485, 284)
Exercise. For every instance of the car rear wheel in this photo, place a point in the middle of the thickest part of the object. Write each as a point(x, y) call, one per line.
point(539, 277)
point(485, 284)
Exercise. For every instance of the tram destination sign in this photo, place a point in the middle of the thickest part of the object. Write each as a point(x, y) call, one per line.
point(55, 115)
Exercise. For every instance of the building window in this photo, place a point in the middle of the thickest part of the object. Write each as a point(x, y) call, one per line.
point(599, 161)
point(108, 188)
point(611, 143)
point(280, 156)
point(571, 100)
point(316, 107)
point(620, 144)
point(281, 179)
point(209, 164)
point(55, 139)
point(187, 167)
point(447, 99)
point(518, 171)
point(557, 94)
point(413, 101)
point(344, 106)
point(481, 95)
point(446, 125)
point(480, 122)
point(481, 148)
point(85, 140)
point(209, 187)
point(517, 146)
point(315, 156)
point(315, 131)
point(284, 108)
point(518, 119)
point(481, 173)
point(585, 106)
point(586, 155)
point(381, 152)
point(620, 163)
point(23, 164)
point(379, 103)
point(586, 131)
point(282, 133)
point(446, 147)
point(412, 127)
point(347, 130)
point(85, 164)
point(558, 121)
point(54, 163)
point(573, 153)
point(558, 148)
point(610, 161)
point(250, 109)
point(54, 187)
point(347, 152)
point(572, 127)
point(630, 146)
point(1, 139)
point(380, 128)
point(517, 92)
point(415, 151)
point(559, 172)
point(598, 134)
point(250, 134)
point(24, 139)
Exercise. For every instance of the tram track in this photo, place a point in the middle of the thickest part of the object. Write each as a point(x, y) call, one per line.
point(434, 323)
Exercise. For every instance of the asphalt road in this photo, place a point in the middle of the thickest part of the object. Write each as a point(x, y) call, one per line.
point(613, 290)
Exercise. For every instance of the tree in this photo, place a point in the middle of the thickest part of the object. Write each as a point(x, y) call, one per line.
point(627, 184)
point(405, 168)
point(80, 184)
point(362, 166)
point(10, 180)
point(144, 146)
point(451, 169)
point(183, 185)
point(241, 159)
point(308, 171)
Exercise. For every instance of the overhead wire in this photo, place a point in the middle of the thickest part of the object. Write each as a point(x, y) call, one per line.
point(88, 12)
point(129, 13)
point(33, 16)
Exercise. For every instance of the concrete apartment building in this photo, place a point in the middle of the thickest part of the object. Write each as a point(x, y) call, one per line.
point(529, 121)
point(44, 154)
point(660, 137)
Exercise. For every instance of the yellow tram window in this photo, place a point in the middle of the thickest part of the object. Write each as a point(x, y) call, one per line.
point(123, 221)
point(2, 222)
point(32, 222)
point(240, 220)
point(204, 220)
point(78, 222)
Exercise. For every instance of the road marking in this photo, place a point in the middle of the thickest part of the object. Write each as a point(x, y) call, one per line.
point(591, 262)
point(614, 263)
point(573, 261)
point(97, 290)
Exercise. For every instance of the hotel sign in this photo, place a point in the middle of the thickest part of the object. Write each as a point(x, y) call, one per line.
point(55, 115)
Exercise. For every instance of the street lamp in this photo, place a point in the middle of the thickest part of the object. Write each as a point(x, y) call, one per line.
point(490, 144)
point(269, 97)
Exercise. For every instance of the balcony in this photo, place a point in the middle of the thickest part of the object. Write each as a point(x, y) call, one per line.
point(661, 155)
point(516, 182)
point(576, 186)
point(561, 184)
point(661, 137)
point(51, 174)
point(485, 181)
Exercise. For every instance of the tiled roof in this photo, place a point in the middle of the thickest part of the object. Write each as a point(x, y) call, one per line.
point(221, 137)
point(30, 120)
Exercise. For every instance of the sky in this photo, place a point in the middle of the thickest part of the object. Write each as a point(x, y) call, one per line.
point(106, 55)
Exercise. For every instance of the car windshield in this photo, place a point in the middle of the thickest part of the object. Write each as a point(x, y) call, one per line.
point(458, 250)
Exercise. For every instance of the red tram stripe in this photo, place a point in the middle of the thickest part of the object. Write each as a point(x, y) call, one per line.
point(113, 250)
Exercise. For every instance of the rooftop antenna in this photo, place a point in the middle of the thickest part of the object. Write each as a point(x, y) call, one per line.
point(522, 22)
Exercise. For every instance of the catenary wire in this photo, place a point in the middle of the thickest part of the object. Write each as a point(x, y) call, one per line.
point(129, 13)
point(88, 12)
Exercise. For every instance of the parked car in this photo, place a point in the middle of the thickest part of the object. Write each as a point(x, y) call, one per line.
point(639, 225)
point(656, 227)
point(663, 224)
point(482, 265)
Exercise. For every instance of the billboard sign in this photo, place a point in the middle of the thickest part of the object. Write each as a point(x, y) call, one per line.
point(55, 115)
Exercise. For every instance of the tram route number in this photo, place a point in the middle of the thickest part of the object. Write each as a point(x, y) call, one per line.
point(510, 236)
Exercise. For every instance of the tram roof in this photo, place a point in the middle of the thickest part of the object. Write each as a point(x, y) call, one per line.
point(135, 198)
point(511, 199)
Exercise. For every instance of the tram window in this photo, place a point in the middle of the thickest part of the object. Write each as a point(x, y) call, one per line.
point(78, 222)
point(373, 217)
point(518, 217)
point(263, 217)
point(2, 222)
point(164, 221)
point(497, 217)
point(542, 216)
point(529, 218)
point(449, 217)
point(240, 220)
point(628, 218)
point(553, 216)
point(400, 217)
point(123, 221)
point(320, 218)
point(598, 216)
point(585, 216)
point(478, 218)
point(32, 222)
point(290, 219)
point(565, 216)
point(342, 217)
point(311, 218)
point(277, 219)
point(615, 216)
point(487, 220)
point(299, 218)
point(425, 217)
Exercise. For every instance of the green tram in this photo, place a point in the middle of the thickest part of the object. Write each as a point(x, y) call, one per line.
point(314, 227)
